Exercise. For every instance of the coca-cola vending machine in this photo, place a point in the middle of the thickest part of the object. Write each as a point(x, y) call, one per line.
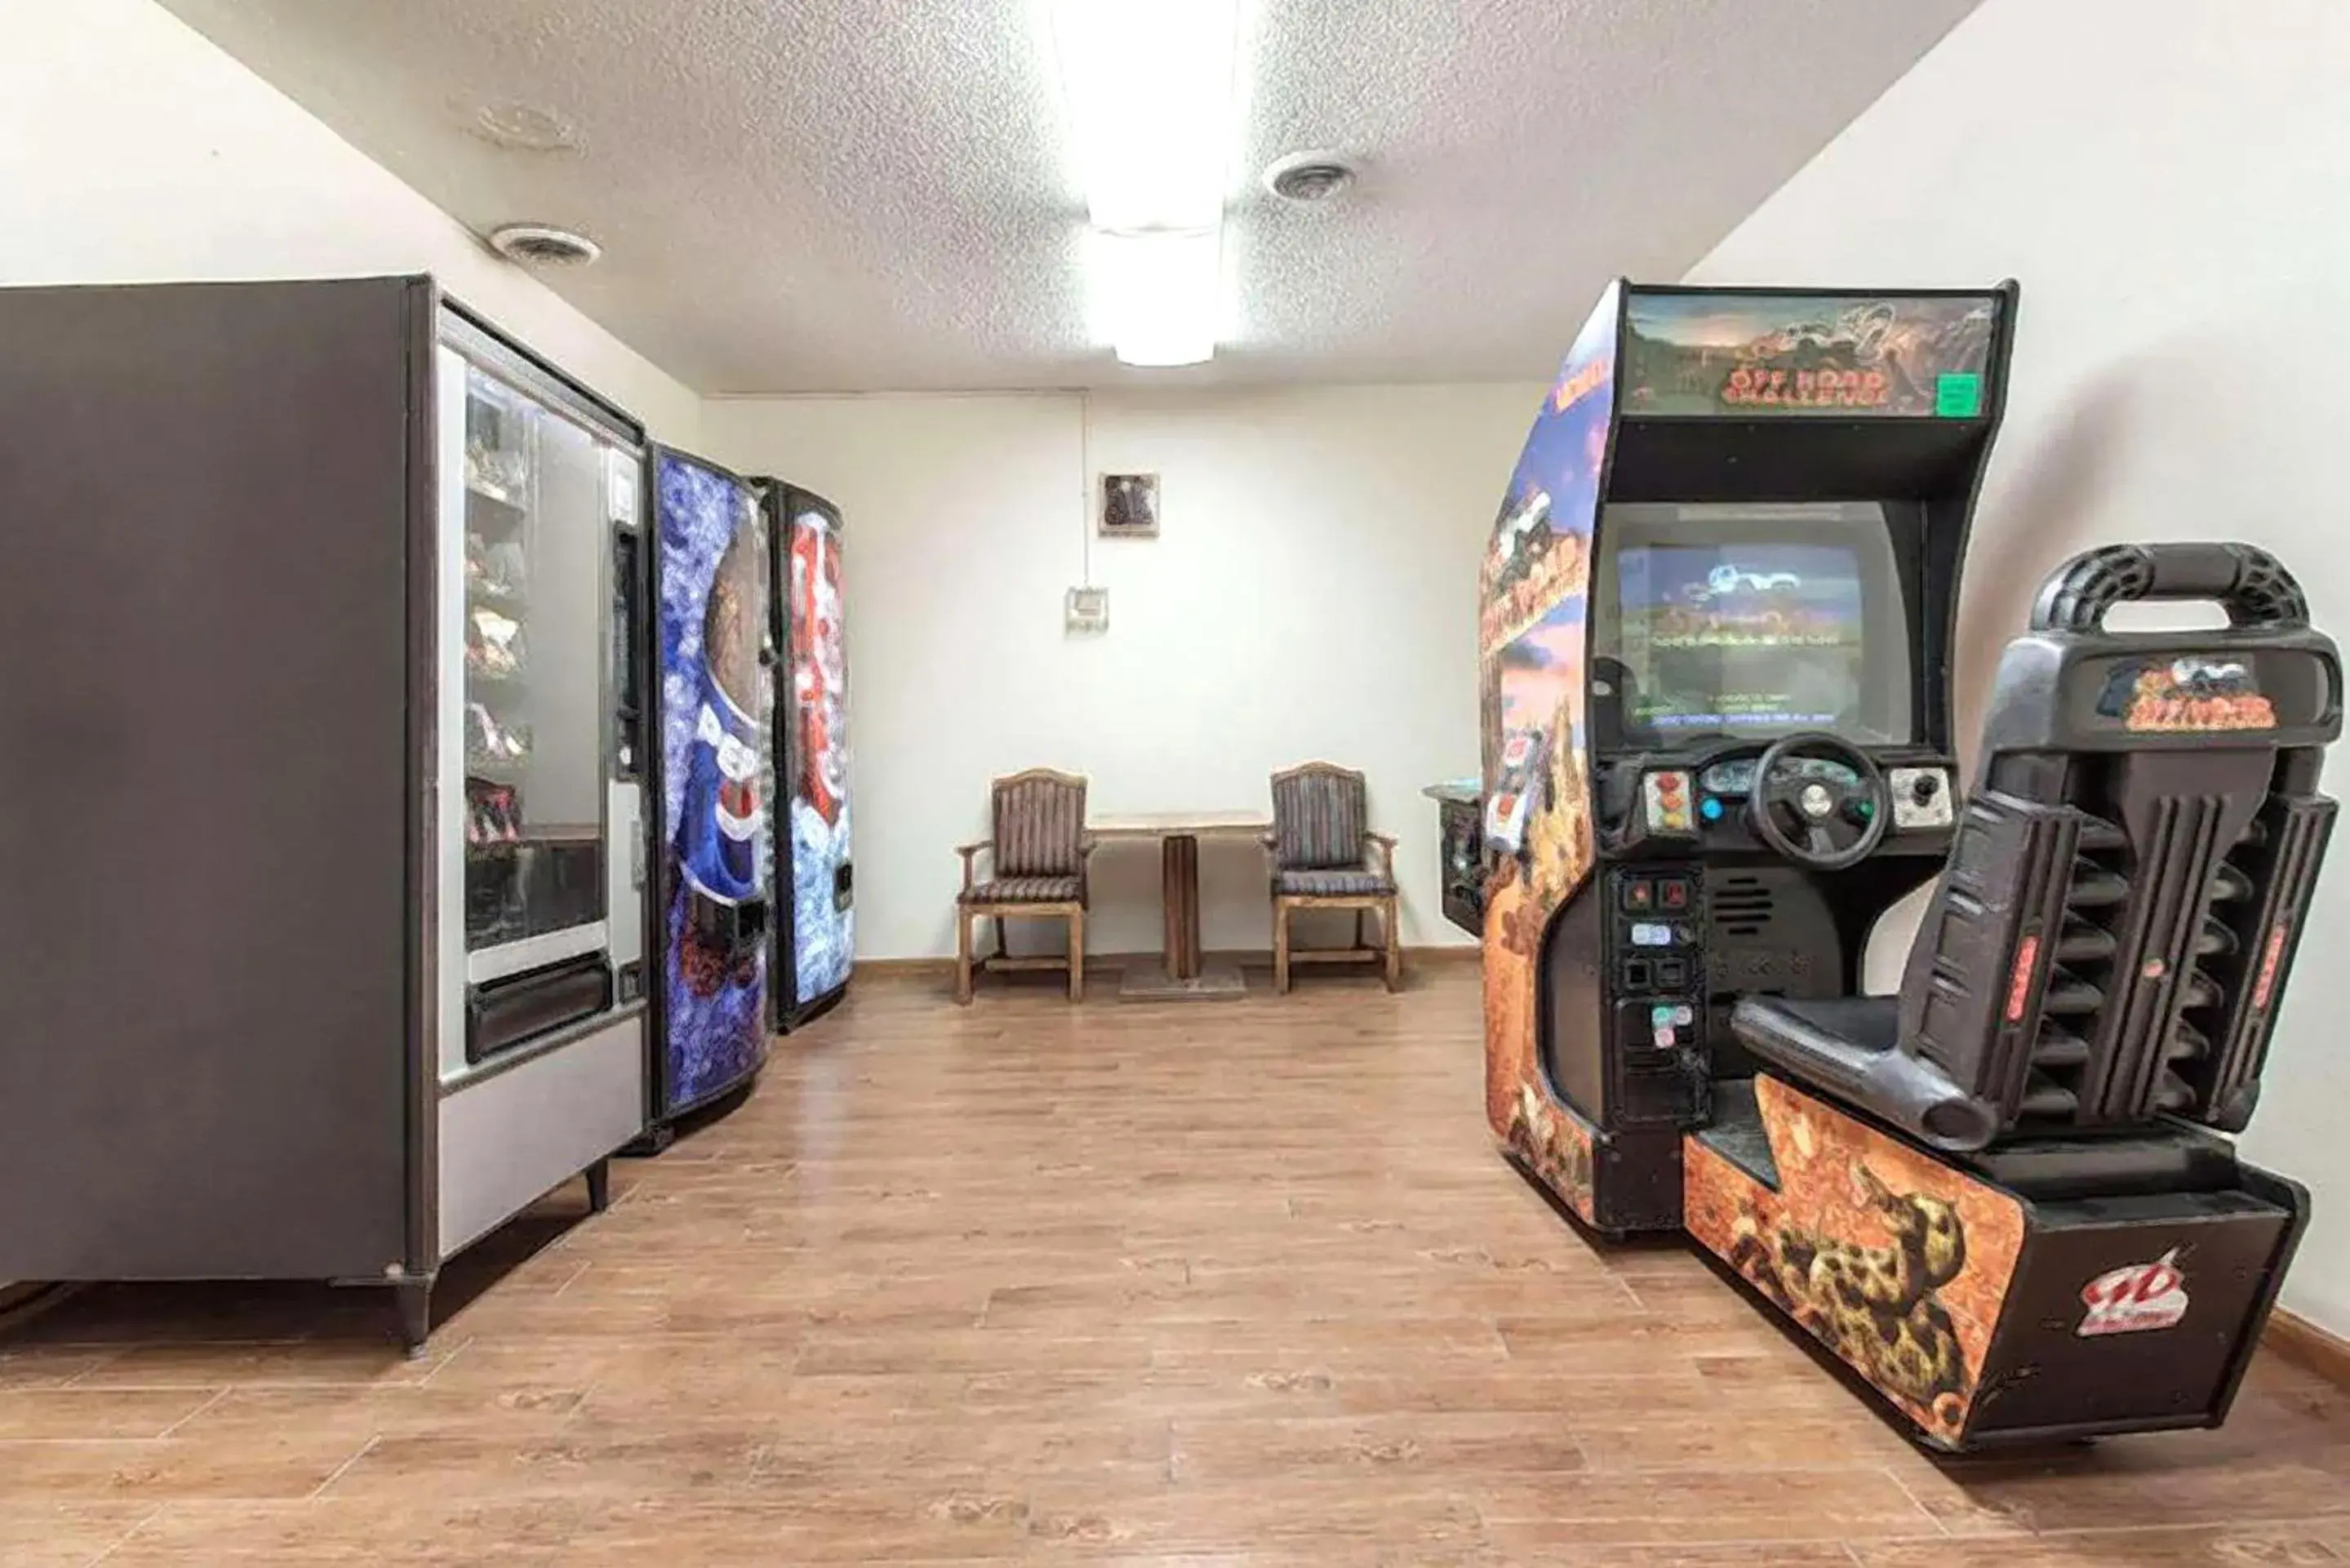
point(815, 931)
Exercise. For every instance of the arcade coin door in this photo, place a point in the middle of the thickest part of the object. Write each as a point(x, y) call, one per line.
point(1716, 618)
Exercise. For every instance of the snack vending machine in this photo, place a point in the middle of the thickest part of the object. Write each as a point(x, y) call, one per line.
point(814, 939)
point(322, 932)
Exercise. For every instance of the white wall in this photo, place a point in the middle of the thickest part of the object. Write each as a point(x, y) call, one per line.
point(1311, 594)
point(2166, 181)
point(134, 150)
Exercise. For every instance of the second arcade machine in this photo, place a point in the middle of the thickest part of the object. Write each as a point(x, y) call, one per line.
point(1719, 608)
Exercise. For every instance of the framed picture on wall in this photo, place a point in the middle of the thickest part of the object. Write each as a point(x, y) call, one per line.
point(1129, 505)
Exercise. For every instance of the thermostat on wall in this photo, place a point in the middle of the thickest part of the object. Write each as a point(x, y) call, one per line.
point(1087, 610)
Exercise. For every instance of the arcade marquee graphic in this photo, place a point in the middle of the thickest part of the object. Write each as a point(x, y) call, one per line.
point(1807, 354)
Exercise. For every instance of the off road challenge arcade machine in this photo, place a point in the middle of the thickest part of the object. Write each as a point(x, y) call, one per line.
point(1718, 611)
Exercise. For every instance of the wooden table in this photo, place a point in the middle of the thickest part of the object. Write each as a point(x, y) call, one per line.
point(1183, 972)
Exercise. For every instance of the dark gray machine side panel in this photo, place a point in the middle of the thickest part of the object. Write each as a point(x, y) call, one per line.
point(204, 776)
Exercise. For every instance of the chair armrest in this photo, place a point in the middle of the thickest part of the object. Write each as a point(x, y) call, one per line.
point(1387, 847)
point(971, 853)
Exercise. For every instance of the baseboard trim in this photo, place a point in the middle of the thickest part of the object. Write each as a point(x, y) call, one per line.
point(2297, 1339)
point(1251, 958)
point(901, 967)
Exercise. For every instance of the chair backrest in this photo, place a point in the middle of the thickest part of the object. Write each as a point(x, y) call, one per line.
point(1040, 824)
point(1320, 813)
point(2131, 870)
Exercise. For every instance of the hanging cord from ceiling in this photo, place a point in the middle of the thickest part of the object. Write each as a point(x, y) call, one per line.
point(1086, 483)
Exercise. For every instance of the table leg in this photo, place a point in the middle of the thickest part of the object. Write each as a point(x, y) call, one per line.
point(1179, 875)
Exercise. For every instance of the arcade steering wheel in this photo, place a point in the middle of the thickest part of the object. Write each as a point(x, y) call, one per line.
point(1818, 823)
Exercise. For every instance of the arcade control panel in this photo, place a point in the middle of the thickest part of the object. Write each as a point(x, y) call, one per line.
point(1705, 806)
point(1657, 920)
point(1655, 959)
point(1922, 798)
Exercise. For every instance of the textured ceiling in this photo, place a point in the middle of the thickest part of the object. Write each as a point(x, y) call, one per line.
point(848, 195)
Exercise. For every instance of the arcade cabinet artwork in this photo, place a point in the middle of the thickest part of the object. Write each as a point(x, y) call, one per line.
point(1719, 607)
point(715, 668)
point(1537, 810)
point(816, 940)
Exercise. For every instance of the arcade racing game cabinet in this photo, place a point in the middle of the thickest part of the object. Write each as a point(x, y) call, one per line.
point(1718, 620)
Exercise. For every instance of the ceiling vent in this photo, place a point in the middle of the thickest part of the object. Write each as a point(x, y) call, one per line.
point(1306, 177)
point(536, 245)
point(522, 128)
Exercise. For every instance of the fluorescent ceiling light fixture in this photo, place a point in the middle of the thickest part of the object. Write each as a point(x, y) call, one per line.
point(1150, 91)
point(1149, 86)
point(1160, 296)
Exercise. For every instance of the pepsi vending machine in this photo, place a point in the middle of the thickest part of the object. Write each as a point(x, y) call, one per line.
point(714, 658)
point(815, 937)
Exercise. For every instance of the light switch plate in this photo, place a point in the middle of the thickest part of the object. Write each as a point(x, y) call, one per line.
point(1086, 610)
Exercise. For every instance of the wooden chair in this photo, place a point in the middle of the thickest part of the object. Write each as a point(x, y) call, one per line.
point(1323, 850)
point(1037, 870)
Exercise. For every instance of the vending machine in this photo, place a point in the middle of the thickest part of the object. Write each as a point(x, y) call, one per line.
point(713, 654)
point(321, 929)
point(815, 937)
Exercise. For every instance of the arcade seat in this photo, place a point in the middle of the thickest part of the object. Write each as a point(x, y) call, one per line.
point(2085, 1011)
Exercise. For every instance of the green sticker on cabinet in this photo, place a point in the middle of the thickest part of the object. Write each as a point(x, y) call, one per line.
point(1958, 395)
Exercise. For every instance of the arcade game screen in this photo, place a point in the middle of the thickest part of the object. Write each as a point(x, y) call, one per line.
point(1755, 621)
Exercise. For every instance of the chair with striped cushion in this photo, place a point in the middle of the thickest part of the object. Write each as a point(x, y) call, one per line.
point(1037, 871)
point(1323, 858)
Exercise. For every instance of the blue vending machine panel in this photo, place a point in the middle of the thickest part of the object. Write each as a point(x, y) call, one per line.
point(716, 678)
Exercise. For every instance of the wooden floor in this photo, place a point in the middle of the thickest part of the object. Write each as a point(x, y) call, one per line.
point(1231, 1283)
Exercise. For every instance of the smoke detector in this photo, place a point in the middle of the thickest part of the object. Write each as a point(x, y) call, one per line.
point(1308, 177)
point(537, 245)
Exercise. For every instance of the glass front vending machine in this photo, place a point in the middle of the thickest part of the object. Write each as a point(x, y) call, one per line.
point(323, 926)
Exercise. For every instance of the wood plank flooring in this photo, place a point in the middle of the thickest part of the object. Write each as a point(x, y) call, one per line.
point(1106, 1284)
